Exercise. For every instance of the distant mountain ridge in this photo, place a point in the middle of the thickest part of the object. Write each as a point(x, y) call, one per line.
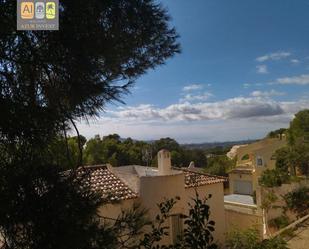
point(205, 145)
point(217, 144)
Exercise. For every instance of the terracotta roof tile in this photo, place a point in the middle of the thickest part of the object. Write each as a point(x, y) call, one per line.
point(195, 179)
point(100, 179)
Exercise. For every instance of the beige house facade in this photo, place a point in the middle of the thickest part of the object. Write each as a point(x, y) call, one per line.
point(252, 160)
point(243, 204)
point(150, 186)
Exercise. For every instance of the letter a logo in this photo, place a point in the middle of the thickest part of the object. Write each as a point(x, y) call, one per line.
point(27, 10)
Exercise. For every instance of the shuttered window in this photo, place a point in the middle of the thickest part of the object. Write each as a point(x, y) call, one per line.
point(176, 227)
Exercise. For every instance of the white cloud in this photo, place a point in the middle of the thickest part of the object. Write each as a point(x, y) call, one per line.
point(192, 87)
point(195, 132)
point(294, 61)
point(266, 93)
point(294, 80)
point(196, 97)
point(230, 119)
point(261, 69)
point(273, 56)
point(234, 108)
point(247, 85)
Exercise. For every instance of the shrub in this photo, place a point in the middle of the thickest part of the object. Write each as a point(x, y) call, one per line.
point(298, 201)
point(273, 178)
point(274, 243)
point(249, 239)
point(279, 222)
point(243, 239)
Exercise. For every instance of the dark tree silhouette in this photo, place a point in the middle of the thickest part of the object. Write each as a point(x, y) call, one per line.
point(48, 81)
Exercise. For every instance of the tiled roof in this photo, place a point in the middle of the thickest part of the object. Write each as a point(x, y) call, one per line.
point(195, 179)
point(100, 179)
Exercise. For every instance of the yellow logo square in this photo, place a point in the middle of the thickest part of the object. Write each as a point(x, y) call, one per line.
point(50, 10)
point(27, 10)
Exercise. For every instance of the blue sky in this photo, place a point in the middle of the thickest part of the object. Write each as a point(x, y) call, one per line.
point(243, 71)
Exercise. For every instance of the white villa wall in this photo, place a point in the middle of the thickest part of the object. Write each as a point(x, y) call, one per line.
point(216, 204)
point(156, 189)
point(112, 211)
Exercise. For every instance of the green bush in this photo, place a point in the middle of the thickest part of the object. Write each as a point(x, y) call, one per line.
point(298, 201)
point(273, 243)
point(243, 239)
point(273, 178)
point(279, 222)
point(249, 239)
point(219, 165)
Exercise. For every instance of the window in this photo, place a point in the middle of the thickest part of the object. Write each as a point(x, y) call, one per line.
point(176, 227)
point(259, 161)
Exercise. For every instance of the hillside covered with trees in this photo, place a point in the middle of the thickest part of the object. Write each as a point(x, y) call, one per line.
point(293, 159)
point(117, 151)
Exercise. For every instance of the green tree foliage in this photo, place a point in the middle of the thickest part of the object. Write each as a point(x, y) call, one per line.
point(65, 151)
point(198, 156)
point(75, 71)
point(199, 227)
point(276, 133)
point(273, 178)
point(296, 155)
point(218, 150)
point(249, 239)
point(279, 222)
point(112, 149)
point(298, 201)
point(299, 142)
point(94, 152)
point(181, 157)
point(283, 159)
point(274, 243)
point(219, 165)
point(48, 80)
point(166, 143)
point(299, 158)
point(243, 239)
point(39, 209)
point(299, 127)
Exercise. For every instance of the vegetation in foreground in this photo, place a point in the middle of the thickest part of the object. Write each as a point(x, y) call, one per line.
point(250, 239)
point(50, 80)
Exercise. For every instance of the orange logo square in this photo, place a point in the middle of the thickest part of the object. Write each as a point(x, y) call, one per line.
point(27, 10)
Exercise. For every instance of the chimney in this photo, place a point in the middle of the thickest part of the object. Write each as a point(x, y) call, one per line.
point(164, 162)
